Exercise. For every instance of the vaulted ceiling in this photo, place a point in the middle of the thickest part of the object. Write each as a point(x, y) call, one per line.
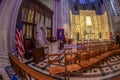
point(96, 5)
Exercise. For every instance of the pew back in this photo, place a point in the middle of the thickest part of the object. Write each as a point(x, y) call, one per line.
point(25, 72)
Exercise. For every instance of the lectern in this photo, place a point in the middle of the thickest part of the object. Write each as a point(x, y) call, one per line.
point(38, 54)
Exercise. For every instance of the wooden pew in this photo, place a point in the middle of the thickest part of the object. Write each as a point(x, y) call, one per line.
point(25, 72)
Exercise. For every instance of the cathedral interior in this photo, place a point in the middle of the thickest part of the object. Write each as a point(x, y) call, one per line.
point(60, 40)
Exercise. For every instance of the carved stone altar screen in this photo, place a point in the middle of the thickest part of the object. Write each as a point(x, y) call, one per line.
point(89, 30)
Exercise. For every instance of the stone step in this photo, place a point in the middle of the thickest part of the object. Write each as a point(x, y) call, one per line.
point(4, 61)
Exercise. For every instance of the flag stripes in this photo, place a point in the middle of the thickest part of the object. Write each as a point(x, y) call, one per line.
point(19, 39)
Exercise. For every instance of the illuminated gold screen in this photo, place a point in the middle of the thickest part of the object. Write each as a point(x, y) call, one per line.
point(89, 25)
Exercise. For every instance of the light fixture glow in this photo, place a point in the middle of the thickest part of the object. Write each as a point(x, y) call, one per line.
point(88, 20)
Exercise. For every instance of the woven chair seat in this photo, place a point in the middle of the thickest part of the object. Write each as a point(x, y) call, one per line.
point(85, 63)
point(56, 70)
point(100, 57)
point(73, 67)
point(94, 60)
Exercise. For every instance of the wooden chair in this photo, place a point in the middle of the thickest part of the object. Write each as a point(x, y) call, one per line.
point(54, 65)
point(71, 63)
point(92, 56)
point(80, 47)
point(84, 60)
point(115, 46)
point(68, 50)
point(99, 55)
point(86, 46)
point(102, 54)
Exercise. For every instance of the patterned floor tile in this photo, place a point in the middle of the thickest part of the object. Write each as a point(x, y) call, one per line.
point(107, 70)
point(42, 64)
point(103, 64)
point(116, 67)
point(92, 72)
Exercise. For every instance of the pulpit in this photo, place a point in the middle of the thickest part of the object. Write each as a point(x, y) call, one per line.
point(38, 54)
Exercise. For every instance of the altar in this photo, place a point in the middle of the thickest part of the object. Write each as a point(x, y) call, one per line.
point(52, 48)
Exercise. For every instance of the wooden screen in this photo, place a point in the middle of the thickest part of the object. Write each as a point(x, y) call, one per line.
point(32, 11)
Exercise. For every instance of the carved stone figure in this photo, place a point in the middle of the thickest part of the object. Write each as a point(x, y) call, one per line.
point(41, 34)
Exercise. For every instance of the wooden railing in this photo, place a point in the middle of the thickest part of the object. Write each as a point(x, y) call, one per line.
point(25, 72)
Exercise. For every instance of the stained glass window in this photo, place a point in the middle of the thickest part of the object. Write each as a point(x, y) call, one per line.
point(115, 7)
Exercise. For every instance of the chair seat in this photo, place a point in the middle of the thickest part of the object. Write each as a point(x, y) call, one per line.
point(94, 60)
point(108, 53)
point(85, 63)
point(70, 57)
point(56, 70)
point(73, 67)
point(100, 57)
point(24, 79)
point(105, 55)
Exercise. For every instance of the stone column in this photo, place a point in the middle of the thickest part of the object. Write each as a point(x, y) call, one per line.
point(110, 17)
point(56, 16)
point(8, 17)
point(65, 16)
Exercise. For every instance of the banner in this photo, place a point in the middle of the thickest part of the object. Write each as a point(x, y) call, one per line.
point(60, 34)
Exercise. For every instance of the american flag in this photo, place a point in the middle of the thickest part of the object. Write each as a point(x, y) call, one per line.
point(19, 38)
